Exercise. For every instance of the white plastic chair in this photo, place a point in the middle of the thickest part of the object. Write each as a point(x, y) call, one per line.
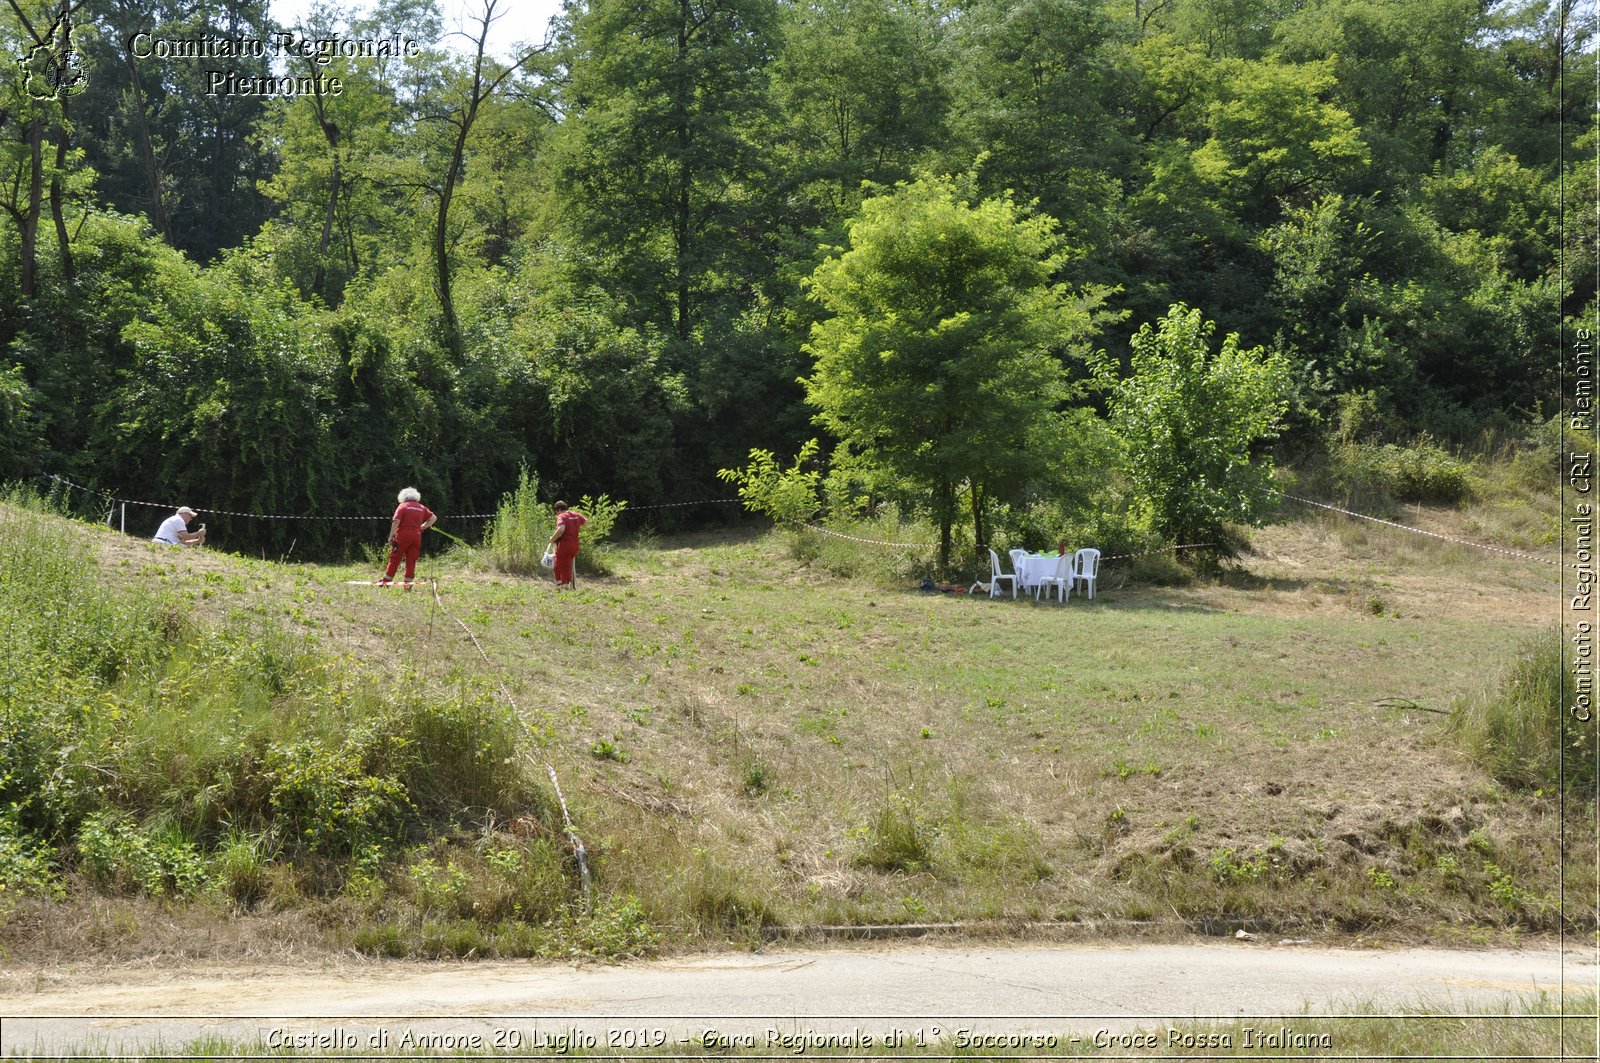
point(1086, 569)
point(995, 576)
point(1061, 580)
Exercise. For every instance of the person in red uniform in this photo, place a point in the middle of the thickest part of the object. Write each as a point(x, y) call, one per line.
point(411, 519)
point(568, 521)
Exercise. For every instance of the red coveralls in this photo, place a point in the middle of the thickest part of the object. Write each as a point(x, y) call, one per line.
point(408, 539)
point(567, 546)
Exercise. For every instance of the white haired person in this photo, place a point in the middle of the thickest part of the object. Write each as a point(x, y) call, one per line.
point(174, 531)
point(411, 519)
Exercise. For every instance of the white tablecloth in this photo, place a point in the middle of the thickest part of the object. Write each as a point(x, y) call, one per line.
point(1031, 568)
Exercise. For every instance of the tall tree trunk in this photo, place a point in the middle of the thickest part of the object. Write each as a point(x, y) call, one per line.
point(980, 537)
point(946, 494)
point(681, 215)
point(58, 197)
point(441, 233)
point(29, 222)
point(327, 232)
point(152, 169)
point(330, 132)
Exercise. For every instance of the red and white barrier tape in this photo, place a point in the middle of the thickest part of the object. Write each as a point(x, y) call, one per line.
point(1419, 531)
point(869, 542)
point(302, 516)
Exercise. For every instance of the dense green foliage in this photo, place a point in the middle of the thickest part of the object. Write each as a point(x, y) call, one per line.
point(593, 258)
point(938, 365)
point(1191, 418)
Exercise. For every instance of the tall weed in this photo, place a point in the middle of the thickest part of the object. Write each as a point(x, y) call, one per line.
point(521, 529)
point(517, 536)
point(1521, 732)
point(1420, 472)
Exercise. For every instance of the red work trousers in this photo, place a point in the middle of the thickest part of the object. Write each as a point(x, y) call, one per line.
point(564, 558)
point(408, 546)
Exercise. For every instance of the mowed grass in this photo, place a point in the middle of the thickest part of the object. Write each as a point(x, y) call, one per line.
point(747, 742)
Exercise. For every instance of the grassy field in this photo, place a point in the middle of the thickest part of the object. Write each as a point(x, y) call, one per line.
point(749, 744)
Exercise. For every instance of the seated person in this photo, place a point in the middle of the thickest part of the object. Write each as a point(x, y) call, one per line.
point(174, 531)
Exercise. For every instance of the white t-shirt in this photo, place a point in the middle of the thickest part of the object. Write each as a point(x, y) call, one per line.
point(168, 532)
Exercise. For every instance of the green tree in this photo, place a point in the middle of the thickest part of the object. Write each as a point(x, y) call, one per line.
point(466, 96)
point(1191, 418)
point(603, 405)
point(659, 160)
point(164, 143)
point(345, 178)
point(1273, 139)
point(1038, 93)
point(939, 360)
point(35, 129)
point(861, 94)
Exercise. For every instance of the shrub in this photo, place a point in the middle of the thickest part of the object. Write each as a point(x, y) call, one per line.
point(788, 496)
point(517, 537)
point(334, 798)
point(1420, 472)
point(524, 881)
point(616, 928)
point(1521, 732)
point(463, 752)
point(1193, 421)
point(124, 856)
point(26, 865)
point(440, 888)
point(1109, 526)
point(520, 532)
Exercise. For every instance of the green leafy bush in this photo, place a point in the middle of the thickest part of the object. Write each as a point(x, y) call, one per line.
point(1420, 472)
point(521, 529)
point(27, 866)
point(1191, 420)
point(121, 855)
point(334, 798)
point(617, 927)
point(788, 496)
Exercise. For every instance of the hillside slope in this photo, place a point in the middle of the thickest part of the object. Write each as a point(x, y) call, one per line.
point(747, 742)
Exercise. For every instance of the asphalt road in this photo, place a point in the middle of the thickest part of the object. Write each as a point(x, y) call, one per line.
point(787, 1003)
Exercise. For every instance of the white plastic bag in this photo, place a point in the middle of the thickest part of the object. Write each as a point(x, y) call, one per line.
point(549, 558)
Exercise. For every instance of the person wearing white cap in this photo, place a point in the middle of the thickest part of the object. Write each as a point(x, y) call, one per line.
point(174, 531)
